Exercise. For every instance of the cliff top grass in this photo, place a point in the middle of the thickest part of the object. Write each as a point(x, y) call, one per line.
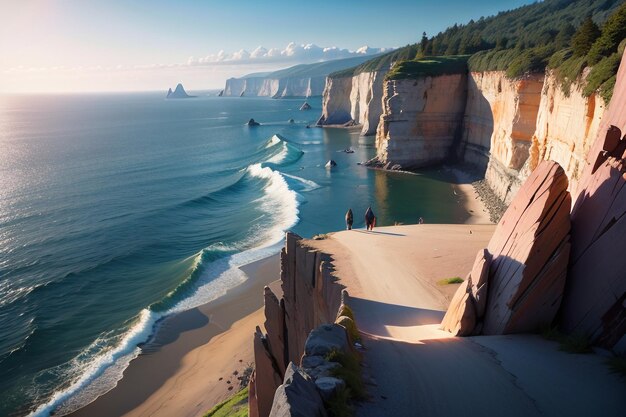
point(429, 67)
point(235, 406)
point(380, 63)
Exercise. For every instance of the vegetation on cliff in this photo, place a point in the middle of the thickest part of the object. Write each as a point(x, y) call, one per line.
point(429, 66)
point(524, 40)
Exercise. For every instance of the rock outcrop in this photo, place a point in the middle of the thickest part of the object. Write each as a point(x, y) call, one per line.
point(595, 297)
point(311, 297)
point(567, 125)
point(355, 100)
point(179, 92)
point(297, 396)
point(305, 106)
point(421, 119)
point(499, 125)
point(529, 254)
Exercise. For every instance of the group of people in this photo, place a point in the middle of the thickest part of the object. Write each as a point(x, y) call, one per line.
point(370, 219)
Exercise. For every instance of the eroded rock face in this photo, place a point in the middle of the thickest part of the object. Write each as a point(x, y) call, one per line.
point(311, 297)
point(353, 100)
point(517, 283)
point(595, 297)
point(421, 119)
point(460, 319)
point(468, 304)
point(566, 127)
point(297, 396)
point(267, 376)
point(530, 250)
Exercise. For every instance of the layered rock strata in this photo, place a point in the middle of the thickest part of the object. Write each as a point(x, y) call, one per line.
point(421, 120)
point(275, 87)
point(311, 297)
point(595, 298)
point(526, 260)
point(355, 100)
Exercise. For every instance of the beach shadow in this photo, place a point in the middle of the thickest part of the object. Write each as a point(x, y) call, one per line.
point(376, 318)
point(168, 329)
point(377, 233)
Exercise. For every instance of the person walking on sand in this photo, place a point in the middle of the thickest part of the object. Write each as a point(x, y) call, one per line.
point(349, 219)
point(370, 219)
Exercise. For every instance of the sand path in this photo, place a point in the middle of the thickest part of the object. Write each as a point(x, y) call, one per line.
point(392, 278)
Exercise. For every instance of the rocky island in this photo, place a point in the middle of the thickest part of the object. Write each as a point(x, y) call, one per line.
point(179, 92)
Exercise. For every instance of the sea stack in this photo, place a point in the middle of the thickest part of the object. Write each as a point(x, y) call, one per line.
point(305, 106)
point(252, 122)
point(179, 92)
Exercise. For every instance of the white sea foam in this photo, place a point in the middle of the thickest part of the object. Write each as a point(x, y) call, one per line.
point(100, 374)
point(307, 185)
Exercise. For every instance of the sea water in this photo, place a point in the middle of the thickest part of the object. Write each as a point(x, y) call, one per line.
point(118, 209)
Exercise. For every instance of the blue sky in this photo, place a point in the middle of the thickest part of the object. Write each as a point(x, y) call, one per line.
point(89, 45)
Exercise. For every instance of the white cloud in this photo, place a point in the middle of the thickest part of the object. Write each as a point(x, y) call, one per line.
point(292, 52)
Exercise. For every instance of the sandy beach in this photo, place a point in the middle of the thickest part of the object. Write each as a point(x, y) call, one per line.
point(187, 368)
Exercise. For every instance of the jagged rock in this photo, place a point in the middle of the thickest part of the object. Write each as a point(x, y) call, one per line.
point(460, 319)
point(305, 106)
point(478, 281)
point(469, 301)
point(221, 93)
point(252, 122)
point(267, 377)
point(297, 396)
point(253, 406)
point(595, 298)
point(322, 370)
point(530, 249)
point(328, 386)
point(330, 164)
point(325, 339)
point(275, 327)
point(179, 92)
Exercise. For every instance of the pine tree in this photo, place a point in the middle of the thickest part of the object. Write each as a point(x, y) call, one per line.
point(424, 42)
point(563, 38)
point(584, 37)
point(613, 32)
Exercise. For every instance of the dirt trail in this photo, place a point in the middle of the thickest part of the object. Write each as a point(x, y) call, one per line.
point(419, 370)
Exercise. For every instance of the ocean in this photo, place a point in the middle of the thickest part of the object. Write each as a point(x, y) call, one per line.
point(119, 209)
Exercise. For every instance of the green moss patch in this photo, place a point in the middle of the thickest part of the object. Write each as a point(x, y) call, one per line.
point(235, 406)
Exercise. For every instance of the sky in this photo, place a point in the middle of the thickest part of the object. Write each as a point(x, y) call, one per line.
point(146, 45)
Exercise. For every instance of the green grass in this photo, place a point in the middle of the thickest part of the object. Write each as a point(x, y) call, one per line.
point(235, 406)
point(339, 405)
point(568, 343)
point(429, 66)
point(618, 365)
point(448, 281)
point(350, 372)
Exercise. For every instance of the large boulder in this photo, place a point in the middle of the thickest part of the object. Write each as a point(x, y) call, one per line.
point(469, 301)
point(325, 339)
point(530, 249)
point(460, 319)
point(297, 396)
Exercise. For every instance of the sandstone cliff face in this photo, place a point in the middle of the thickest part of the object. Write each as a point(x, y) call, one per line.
point(276, 88)
point(421, 119)
point(499, 124)
point(595, 297)
point(354, 100)
point(565, 129)
point(311, 297)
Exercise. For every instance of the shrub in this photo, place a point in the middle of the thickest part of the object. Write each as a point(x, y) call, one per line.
point(447, 281)
point(349, 371)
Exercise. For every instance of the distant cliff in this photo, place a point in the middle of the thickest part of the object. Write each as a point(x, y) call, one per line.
point(303, 80)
